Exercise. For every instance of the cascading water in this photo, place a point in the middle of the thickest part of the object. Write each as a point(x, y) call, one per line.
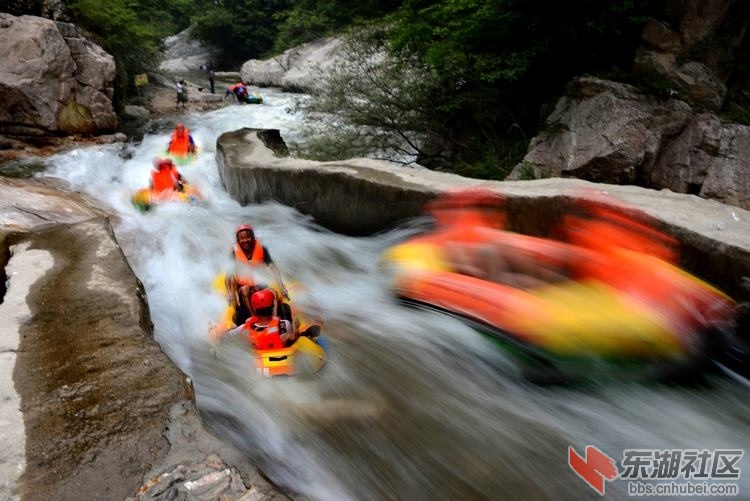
point(412, 405)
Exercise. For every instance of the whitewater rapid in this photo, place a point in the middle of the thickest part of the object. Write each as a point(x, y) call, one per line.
point(411, 405)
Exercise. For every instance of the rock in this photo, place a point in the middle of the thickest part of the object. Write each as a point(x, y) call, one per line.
point(297, 69)
point(698, 57)
point(699, 85)
point(602, 131)
point(183, 54)
point(658, 37)
point(362, 196)
point(651, 62)
point(53, 79)
point(696, 20)
point(28, 204)
point(136, 112)
point(212, 98)
point(97, 424)
point(75, 118)
point(684, 163)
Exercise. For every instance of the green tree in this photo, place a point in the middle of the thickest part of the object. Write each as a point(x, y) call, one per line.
point(131, 30)
point(307, 20)
point(504, 59)
point(241, 29)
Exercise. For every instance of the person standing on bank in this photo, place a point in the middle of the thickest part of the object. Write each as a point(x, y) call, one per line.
point(181, 93)
point(210, 73)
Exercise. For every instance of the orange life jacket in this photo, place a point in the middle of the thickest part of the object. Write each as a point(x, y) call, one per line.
point(234, 87)
point(164, 179)
point(180, 144)
point(267, 337)
point(257, 258)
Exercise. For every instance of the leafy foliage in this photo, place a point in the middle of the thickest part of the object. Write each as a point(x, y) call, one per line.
point(131, 30)
point(21, 7)
point(389, 99)
point(243, 29)
point(307, 20)
point(504, 58)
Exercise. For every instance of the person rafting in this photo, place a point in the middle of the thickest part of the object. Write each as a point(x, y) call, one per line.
point(165, 176)
point(265, 329)
point(248, 252)
point(181, 144)
point(239, 90)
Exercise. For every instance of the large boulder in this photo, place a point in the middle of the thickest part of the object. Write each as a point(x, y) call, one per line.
point(297, 69)
point(183, 54)
point(709, 159)
point(697, 57)
point(602, 131)
point(53, 80)
point(608, 132)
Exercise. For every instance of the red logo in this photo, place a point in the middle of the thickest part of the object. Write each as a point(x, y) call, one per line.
point(594, 469)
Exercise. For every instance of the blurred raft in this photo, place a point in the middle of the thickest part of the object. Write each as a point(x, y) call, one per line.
point(605, 294)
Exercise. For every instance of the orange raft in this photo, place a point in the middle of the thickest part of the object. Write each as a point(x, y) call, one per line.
point(144, 199)
point(607, 290)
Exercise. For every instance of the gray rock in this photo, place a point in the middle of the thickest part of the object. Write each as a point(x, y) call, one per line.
point(709, 159)
point(136, 112)
point(699, 85)
point(28, 204)
point(602, 131)
point(297, 69)
point(212, 98)
point(53, 79)
point(183, 54)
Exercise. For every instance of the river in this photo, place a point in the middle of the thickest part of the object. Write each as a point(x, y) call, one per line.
point(411, 405)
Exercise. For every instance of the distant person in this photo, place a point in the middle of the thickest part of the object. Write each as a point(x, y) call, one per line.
point(181, 93)
point(210, 75)
point(240, 90)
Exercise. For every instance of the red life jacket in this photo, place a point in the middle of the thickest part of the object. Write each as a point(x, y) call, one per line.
point(164, 179)
point(257, 258)
point(265, 337)
point(180, 144)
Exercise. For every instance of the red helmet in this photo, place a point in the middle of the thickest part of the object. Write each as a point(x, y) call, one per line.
point(262, 299)
point(243, 227)
point(162, 162)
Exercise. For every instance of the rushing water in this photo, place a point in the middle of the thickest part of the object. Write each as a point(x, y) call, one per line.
point(411, 405)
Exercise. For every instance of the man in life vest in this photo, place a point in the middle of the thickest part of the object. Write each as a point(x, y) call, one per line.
point(249, 252)
point(165, 176)
point(181, 144)
point(265, 329)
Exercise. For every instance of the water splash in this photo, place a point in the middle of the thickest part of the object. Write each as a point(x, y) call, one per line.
point(412, 404)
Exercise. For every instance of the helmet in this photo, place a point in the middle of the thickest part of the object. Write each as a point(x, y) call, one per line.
point(179, 125)
point(162, 162)
point(262, 299)
point(243, 227)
